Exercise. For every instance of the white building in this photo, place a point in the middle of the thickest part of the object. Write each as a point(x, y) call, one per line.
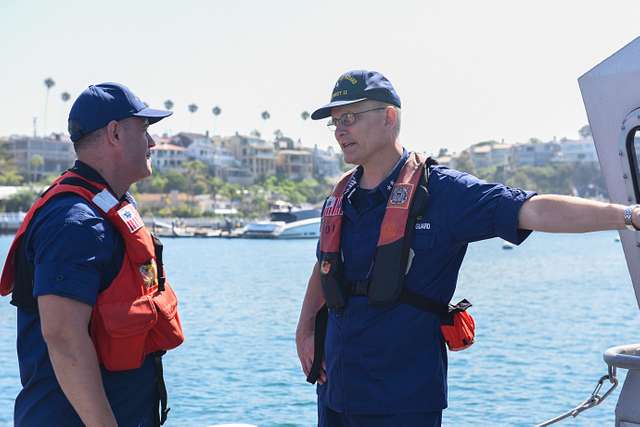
point(576, 151)
point(168, 157)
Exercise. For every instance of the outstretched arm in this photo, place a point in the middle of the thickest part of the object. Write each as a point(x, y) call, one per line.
point(313, 301)
point(565, 214)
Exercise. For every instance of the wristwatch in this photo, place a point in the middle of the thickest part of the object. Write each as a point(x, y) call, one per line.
point(628, 217)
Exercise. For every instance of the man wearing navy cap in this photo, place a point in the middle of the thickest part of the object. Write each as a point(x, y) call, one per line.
point(384, 359)
point(70, 251)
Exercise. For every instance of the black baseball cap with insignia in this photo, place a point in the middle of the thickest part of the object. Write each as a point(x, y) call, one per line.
point(359, 85)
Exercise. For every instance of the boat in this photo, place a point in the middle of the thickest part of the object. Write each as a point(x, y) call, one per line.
point(507, 245)
point(611, 95)
point(286, 222)
point(175, 229)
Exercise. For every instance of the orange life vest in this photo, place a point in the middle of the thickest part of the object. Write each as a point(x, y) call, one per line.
point(138, 313)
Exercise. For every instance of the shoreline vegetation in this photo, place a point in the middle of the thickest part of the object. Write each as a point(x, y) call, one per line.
point(196, 193)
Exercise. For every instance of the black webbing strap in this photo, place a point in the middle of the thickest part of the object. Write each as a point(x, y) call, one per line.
point(318, 344)
point(157, 245)
point(425, 304)
point(162, 410)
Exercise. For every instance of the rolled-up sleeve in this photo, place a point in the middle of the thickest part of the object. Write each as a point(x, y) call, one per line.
point(506, 214)
point(478, 210)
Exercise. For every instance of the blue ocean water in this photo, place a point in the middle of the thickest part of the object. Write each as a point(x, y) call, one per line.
point(545, 312)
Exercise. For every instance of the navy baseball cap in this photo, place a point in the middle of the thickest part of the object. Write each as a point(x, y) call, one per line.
point(356, 86)
point(99, 104)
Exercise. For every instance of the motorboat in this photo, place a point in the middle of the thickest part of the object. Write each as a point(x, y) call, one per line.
point(175, 229)
point(286, 222)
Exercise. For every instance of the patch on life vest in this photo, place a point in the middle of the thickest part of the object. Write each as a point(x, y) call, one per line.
point(325, 267)
point(333, 207)
point(149, 274)
point(131, 217)
point(400, 196)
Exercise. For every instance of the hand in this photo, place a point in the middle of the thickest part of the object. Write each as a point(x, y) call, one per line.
point(305, 347)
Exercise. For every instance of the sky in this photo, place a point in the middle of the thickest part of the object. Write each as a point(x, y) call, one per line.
point(466, 71)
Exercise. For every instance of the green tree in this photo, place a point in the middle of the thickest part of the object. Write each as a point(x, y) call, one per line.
point(464, 163)
point(8, 171)
point(49, 83)
point(192, 109)
point(585, 131)
point(21, 201)
point(157, 183)
point(36, 163)
point(215, 185)
point(176, 181)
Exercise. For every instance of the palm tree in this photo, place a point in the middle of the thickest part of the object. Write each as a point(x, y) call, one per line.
point(305, 115)
point(216, 112)
point(49, 83)
point(65, 96)
point(265, 115)
point(168, 104)
point(192, 109)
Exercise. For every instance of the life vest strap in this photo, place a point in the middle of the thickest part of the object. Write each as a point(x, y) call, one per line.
point(318, 344)
point(163, 400)
point(79, 182)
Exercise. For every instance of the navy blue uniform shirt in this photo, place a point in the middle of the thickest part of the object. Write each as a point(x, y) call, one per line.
point(393, 360)
point(76, 254)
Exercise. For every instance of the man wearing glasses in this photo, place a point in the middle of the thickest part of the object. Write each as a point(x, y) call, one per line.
point(390, 230)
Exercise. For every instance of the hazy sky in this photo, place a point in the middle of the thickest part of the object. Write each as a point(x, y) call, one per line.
point(465, 71)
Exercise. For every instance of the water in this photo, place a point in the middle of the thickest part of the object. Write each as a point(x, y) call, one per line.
point(545, 312)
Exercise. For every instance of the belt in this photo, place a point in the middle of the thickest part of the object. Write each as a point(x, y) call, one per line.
point(358, 288)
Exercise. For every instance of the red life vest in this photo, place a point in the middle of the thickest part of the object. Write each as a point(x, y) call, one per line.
point(138, 313)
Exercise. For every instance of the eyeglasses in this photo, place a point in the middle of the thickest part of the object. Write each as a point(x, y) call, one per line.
point(348, 119)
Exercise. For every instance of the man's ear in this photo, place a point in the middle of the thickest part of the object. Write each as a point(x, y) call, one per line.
point(390, 116)
point(112, 130)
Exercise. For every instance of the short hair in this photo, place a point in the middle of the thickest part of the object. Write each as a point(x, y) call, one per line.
point(396, 130)
point(87, 139)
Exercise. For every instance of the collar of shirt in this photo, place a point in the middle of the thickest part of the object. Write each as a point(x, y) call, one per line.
point(91, 174)
point(385, 187)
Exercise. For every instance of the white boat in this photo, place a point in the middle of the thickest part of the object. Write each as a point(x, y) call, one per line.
point(163, 229)
point(507, 245)
point(286, 222)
